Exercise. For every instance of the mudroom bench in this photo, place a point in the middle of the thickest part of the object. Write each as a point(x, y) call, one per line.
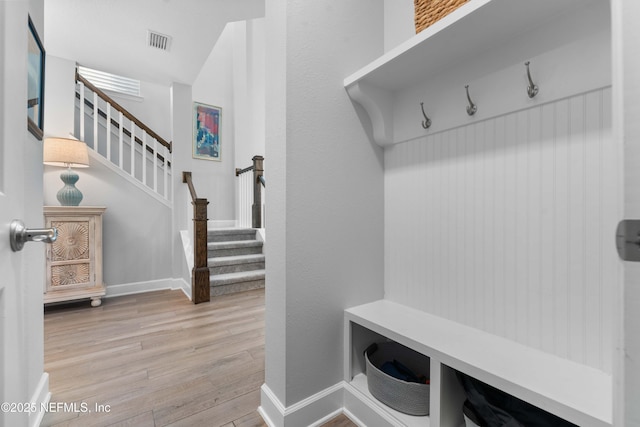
point(577, 393)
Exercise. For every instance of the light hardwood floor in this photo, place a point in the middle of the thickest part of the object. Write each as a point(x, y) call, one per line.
point(156, 360)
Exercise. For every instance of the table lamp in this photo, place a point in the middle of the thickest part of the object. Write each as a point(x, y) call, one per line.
point(67, 153)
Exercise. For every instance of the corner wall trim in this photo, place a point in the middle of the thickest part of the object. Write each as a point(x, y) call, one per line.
point(312, 411)
point(41, 396)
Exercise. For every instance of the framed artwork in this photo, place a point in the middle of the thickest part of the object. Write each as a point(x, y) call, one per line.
point(35, 83)
point(206, 132)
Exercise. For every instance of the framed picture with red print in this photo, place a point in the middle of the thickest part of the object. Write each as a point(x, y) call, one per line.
point(206, 132)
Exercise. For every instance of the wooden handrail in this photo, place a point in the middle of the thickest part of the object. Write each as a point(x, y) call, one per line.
point(123, 110)
point(241, 171)
point(200, 288)
point(186, 178)
point(125, 131)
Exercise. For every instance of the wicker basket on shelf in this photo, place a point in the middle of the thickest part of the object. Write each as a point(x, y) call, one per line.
point(428, 12)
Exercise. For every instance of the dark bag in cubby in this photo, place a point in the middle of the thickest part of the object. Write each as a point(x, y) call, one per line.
point(495, 408)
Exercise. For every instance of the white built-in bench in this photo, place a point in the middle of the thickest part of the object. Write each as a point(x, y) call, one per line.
point(575, 392)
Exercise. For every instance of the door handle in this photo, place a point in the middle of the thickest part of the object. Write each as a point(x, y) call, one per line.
point(628, 239)
point(19, 235)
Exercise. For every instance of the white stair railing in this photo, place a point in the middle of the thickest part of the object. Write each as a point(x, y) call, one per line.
point(126, 143)
point(244, 196)
point(250, 195)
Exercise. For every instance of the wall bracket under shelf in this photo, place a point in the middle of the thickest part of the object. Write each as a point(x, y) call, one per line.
point(378, 105)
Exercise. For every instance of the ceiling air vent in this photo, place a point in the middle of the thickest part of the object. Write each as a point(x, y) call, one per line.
point(159, 41)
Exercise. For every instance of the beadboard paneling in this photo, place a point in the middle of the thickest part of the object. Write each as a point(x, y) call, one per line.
point(507, 225)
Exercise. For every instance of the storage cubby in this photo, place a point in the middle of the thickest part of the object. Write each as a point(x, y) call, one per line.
point(360, 338)
point(577, 393)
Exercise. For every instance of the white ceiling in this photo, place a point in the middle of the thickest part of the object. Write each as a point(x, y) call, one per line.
point(111, 35)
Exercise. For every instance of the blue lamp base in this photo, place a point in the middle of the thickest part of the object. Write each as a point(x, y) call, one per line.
point(69, 195)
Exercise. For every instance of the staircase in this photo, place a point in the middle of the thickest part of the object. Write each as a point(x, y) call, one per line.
point(236, 261)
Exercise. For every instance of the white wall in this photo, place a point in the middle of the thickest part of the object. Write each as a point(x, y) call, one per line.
point(182, 212)
point(504, 221)
point(59, 96)
point(215, 180)
point(399, 23)
point(276, 269)
point(325, 205)
point(249, 90)
point(153, 107)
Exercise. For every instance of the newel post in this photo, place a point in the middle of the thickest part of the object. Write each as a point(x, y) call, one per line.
point(200, 291)
point(256, 208)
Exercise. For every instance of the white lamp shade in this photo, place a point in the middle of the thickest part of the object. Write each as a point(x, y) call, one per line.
point(65, 152)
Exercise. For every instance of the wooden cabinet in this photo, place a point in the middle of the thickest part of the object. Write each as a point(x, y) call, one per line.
point(74, 260)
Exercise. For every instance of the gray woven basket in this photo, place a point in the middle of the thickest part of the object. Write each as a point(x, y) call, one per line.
point(406, 397)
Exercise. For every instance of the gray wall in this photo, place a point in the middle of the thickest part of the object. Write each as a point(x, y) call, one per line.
point(181, 131)
point(215, 180)
point(325, 207)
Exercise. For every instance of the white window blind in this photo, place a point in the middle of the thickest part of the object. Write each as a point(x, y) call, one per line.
point(112, 82)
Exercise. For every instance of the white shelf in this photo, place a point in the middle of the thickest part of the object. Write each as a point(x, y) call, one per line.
point(577, 393)
point(359, 382)
point(471, 30)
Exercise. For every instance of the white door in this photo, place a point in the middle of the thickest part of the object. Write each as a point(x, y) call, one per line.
point(626, 72)
point(21, 351)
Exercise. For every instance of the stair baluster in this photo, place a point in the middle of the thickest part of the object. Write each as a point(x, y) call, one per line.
point(153, 151)
point(250, 197)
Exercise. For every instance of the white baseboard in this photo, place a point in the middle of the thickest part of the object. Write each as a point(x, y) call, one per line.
point(149, 286)
point(312, 411)
point(353, 418)
point(40, 397)
point(271, 410)
point(363, 411)
point(185, 287)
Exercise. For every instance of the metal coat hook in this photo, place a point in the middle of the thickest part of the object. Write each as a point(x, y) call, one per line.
point(471, 108)
point(532, 89)
point(426, 123)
